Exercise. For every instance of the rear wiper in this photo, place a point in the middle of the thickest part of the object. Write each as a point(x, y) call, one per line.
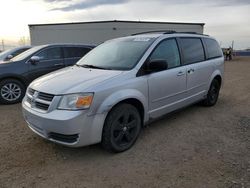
point(93, 67)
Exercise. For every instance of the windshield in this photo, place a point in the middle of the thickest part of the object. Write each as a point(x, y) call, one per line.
point(27, 53)
point(4, 54)
point(119, 54)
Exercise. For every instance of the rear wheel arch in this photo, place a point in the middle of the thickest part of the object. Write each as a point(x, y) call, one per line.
point(213, 92)
point(215, 75)
point(218, 78)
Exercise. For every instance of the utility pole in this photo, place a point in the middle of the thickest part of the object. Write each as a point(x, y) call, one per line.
point(220, 43)
point(2, 44)
point(233, 45)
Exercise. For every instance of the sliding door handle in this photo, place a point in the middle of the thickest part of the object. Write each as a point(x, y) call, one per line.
point(190, 71)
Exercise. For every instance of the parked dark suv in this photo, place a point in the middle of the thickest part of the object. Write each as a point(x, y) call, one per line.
point(16, 74)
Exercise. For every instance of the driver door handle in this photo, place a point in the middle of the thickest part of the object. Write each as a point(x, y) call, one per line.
point(58, 64)
point(180, 73)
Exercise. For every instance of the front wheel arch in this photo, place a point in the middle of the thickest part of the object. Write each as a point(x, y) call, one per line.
point(134, 102)
point(13, 77)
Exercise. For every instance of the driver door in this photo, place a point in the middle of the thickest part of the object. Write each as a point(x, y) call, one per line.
point(167, 88)
point(50, 59)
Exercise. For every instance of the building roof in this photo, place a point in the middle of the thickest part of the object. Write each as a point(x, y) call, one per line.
point(118, 21)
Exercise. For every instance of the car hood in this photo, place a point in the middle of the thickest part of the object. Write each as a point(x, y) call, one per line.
point(72, 80)
point(8, 62)
point(3, 62)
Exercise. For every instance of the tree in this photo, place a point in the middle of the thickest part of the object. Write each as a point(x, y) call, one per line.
point(23, 41)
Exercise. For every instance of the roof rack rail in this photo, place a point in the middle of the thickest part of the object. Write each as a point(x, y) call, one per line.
point(168, 32)
point(190, 32)
point(156, 31)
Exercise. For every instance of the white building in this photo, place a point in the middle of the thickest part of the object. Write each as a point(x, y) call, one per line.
point(98, 32)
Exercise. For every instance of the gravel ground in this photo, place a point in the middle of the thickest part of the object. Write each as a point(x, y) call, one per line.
point(195, 147)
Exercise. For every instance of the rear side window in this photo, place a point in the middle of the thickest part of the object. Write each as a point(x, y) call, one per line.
point(168, 51)
point(71, 52)
point(213, 48)
point(192, 50)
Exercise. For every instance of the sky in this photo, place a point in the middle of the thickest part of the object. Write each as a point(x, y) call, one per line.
point(226, 20)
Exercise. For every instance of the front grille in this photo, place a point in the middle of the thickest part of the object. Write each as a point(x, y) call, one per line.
point(39, 100)
point(28, 100)
point(64, 138)
point(31, 91)
point(42, 106)
point(46, 96)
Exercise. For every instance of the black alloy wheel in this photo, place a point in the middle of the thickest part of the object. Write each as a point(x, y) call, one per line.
point(121, 129)
point(213, 94)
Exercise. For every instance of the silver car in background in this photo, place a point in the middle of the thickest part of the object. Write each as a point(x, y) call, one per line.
point(9, 54)
point(123, 84)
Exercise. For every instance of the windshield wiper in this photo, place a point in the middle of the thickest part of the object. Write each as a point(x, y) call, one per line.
point(93, 67)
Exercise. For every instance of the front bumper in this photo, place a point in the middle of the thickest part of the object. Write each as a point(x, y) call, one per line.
point(70, 128)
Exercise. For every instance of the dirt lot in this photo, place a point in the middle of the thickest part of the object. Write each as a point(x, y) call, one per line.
point(196, 147)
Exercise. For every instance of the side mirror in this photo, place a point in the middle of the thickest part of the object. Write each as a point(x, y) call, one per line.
point(157, 65)
point(9, 57)
point(34, 60)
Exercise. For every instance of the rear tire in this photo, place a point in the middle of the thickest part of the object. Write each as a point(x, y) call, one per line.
point(213, 94)
point(11, 91)
point(121, 128)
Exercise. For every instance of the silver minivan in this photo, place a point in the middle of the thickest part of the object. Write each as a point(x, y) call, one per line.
point(123, 84)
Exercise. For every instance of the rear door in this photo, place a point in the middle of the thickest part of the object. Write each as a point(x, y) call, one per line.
point(198, 69)
point(74, 54)
point(51, 59)
point(166, 88)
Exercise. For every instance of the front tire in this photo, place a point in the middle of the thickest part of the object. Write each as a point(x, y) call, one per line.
point(121, 128)
point(11, 91)
point(213, 94)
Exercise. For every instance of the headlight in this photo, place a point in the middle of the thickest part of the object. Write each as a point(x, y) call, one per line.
point(78, 101)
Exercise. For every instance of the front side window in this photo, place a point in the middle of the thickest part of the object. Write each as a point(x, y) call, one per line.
point(119, 54)
point(168, 51)
point(51, 53)
point(213, 48)
point(193, 51)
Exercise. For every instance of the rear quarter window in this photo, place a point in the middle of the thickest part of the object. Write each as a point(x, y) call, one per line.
point(213, 48)
point(192, 50)
point(72, 52)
